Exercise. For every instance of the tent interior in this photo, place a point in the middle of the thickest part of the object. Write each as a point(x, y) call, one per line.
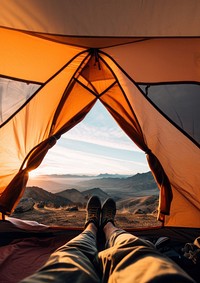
point(57, 59)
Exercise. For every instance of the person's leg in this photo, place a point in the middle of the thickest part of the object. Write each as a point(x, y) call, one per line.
point(75, 261)
point(131, 259)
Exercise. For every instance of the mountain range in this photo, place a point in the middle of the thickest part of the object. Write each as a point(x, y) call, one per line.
point(105, 175)
point(129, 193)
point(136, 185)
point(78, 197)
point(74, 199)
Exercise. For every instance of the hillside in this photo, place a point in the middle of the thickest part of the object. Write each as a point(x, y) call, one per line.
point(78, 197)
point(67, 208)
point(106, 175)
point(40, 195)
point(141, 205)
point(145, 204)
point(97, 192)
point(49, 184)
point(73, 195)
point(137, 185)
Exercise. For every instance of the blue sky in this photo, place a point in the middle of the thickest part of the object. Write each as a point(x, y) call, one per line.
point(96, 145)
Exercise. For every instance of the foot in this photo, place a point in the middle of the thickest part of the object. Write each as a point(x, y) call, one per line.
point(93, 211)
point(108, 212)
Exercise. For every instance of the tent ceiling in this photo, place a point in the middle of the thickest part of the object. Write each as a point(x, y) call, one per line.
point(103, 18)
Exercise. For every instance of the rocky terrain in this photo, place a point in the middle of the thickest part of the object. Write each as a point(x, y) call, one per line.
point(137, 202)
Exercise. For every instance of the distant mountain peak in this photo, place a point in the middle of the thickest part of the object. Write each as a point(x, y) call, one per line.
point(73, 194)
point(107, 175)
point(97, 192)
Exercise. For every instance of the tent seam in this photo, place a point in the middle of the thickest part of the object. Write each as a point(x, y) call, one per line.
point(44, 84)
point(84, 86)
point(155, 106)
point(169, 120)
point(122, 92)
point(65, 94)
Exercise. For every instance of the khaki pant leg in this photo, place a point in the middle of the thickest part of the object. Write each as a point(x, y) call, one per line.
point(73, 263)
point(130, 259)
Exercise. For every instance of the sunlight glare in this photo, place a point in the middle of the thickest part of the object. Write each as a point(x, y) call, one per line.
point(33, 174)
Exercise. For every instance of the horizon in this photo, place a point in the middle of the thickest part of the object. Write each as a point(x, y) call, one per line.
point(57, 183)
point(94, 146)
point(74, 175)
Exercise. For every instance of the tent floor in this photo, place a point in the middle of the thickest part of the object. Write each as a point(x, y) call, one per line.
point(23, 251)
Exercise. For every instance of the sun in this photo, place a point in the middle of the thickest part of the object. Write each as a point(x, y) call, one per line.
point(33, 174)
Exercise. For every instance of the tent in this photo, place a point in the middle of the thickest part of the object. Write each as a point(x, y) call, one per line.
point(59, 57)
point(140, 59)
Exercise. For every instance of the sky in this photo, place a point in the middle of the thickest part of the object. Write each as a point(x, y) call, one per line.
point(96, 145)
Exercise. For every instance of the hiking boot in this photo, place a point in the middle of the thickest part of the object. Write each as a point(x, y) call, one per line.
point(93, 209)
point(108, 212)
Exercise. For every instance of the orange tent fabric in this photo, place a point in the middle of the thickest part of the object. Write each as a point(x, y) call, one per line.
point(139, 58)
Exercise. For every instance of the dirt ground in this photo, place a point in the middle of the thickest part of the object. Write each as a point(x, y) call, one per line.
point(63, 217)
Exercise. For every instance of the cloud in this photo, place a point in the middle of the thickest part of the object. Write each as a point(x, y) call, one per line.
point(96, 145)
point(100, 128)
point(112, 137)
point(63, 160)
